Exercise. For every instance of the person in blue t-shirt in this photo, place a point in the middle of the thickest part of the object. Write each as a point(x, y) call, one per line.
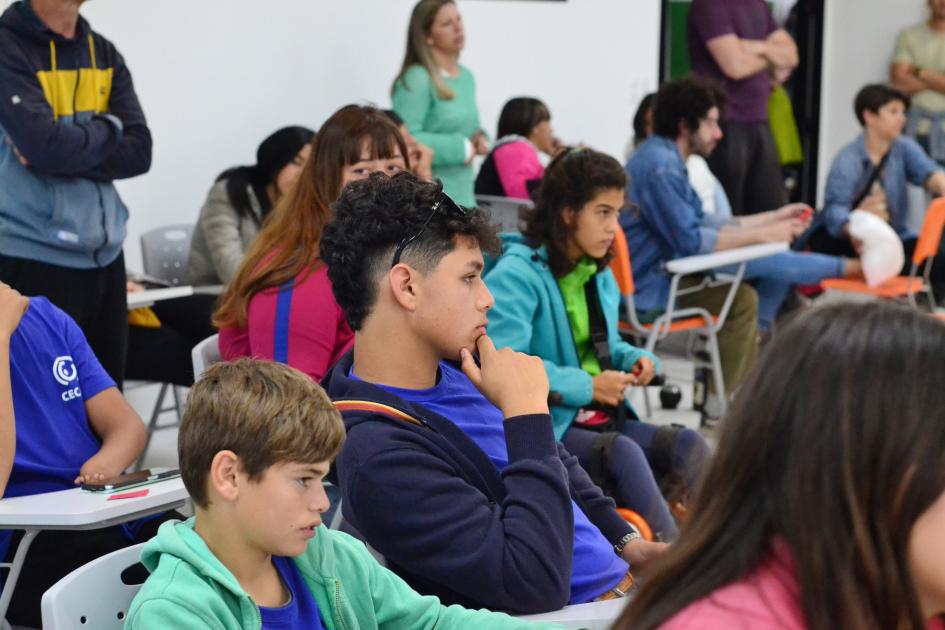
point(64, 422)
point(451, 469)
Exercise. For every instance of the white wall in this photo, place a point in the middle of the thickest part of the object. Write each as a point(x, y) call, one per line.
point(216, 76)
point(859, 38)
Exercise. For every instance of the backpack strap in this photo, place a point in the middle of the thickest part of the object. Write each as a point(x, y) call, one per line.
point(598, 326)
point(376, 407)
point(280, 342)
point(598, 468)
point(600, 341)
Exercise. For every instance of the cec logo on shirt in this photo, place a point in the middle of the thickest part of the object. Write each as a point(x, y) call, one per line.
point(66, 374)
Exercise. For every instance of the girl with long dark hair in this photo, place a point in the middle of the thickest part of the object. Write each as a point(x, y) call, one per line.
point(542, 308)
point(824, 505)
point(239, 202)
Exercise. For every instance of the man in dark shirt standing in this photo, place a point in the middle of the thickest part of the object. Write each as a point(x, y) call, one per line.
point(738, 43)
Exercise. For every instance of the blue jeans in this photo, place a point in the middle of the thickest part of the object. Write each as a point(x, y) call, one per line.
point(773, 277)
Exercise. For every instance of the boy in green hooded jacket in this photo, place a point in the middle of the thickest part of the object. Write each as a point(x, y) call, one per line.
point(254, 445)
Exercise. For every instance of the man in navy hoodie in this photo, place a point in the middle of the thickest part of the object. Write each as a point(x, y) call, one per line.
point(450, 468)
point(70, 124)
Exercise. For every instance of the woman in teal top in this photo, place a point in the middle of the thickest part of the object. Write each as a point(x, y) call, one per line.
point(436, 97)
point(541, 308)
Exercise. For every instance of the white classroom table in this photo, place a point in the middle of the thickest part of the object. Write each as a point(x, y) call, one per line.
point(592, 615)
point(138, 299)
point(76, 509)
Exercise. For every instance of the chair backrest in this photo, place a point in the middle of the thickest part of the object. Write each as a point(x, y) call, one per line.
point(506, 212)
point(931, 236)
point(164, 252)
point(620, 265)
point(94, 595)
point(205, 354)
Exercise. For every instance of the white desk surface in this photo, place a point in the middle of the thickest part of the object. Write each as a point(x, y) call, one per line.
point(150, 296)
point(593, 615)
point(704, 262)
point(78, 509)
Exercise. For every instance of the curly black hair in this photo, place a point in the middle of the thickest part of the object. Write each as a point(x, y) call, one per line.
point(686, 100)
point(372, 217)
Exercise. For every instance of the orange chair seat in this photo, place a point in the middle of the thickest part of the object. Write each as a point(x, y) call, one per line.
point(893, 288)
point(679, 325)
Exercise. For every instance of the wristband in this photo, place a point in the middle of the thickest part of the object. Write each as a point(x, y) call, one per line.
point(626, 540)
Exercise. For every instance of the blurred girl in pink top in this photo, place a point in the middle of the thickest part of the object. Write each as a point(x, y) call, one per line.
point(824, 507)
point(514, 167)
point(280, 304)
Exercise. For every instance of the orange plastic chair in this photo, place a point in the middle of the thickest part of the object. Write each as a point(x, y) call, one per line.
point(926, 248)
point(696, 320)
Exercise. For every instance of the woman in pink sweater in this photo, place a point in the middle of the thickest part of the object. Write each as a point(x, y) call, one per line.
point(824, 507)
point(280, 304)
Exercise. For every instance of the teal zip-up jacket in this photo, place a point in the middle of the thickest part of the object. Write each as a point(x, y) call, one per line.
point(529, 316)
point(190, 588)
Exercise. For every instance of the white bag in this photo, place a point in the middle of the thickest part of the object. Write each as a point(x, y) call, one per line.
point(882, 256)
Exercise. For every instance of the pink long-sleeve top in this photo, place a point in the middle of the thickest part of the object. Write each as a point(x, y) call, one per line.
point(516, 163)
point(318, 334)
point(768, 598)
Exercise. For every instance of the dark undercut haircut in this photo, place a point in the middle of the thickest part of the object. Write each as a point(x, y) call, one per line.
point(872, 97)
point(686, 100)
point(372, 217)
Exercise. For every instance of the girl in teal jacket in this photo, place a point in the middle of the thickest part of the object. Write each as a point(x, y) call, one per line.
point(436, 96)
point(541, 309)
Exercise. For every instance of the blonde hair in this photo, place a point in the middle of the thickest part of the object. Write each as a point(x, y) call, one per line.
point(265, 412)
point(418, 53)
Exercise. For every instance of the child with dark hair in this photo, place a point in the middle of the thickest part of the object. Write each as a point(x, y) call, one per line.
point(241, 198)
point(451, 469)
point(853, 433)
point(255, 444)
point(514, 168)
point(543, 307)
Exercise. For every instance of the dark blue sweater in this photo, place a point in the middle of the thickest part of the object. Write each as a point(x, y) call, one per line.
point(451, 524)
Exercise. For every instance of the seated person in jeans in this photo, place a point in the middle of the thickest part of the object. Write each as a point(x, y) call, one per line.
point(256, 441)
point(542, 308)
point(67, 423)
point(772, 276)
point(871, 174)
point(451, 469)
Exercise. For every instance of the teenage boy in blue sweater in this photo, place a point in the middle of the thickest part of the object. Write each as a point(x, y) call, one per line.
point(451, 469)
point(62, 422)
